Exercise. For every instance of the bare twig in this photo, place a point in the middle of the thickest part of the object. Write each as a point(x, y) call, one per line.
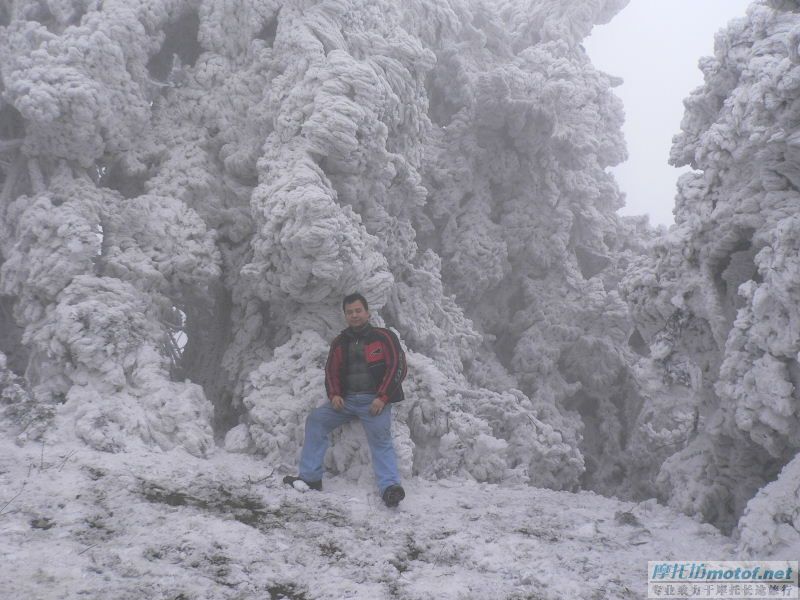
point(41, 460)
point(262, 480)
point(256, 481)
point(14, 498)
point(86, 549)
point(436, 560)
point(66, 458)
point(172, 350)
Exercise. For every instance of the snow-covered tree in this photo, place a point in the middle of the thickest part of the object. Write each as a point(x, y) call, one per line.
point(191, 186)
point(718, 300)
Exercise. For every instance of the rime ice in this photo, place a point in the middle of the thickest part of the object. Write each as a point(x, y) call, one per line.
point(191, 186)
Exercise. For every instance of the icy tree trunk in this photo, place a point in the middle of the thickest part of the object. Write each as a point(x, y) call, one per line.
point(227, 171)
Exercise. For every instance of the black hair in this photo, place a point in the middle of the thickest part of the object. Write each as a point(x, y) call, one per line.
point(350, 298)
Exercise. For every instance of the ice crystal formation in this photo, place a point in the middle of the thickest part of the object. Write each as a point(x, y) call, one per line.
point(718, 299)
point(189, 187)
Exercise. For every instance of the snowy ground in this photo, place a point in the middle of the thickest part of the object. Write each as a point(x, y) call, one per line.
point(79, 524)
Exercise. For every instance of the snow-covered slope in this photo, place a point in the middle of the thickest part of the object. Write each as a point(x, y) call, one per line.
point(168, 525)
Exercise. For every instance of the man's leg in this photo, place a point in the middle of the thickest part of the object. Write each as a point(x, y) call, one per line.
point(379, 435)
point(319, 423)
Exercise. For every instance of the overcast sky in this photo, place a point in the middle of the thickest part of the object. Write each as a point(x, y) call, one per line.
point(654, 46)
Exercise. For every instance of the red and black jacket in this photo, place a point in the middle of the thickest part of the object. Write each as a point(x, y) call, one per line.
point(386, 363)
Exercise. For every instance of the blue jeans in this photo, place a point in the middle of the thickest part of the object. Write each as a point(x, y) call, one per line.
point(378, 428)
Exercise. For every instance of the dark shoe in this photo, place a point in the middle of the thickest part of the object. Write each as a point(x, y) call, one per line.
point(314, 485)
point(393, 494)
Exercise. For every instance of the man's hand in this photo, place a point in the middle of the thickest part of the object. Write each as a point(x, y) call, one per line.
point(376, 407)
point(338, 402)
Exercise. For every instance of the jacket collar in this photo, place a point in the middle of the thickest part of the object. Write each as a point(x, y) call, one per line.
point(360, 333)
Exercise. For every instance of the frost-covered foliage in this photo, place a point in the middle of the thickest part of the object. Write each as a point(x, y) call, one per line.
point(96, 276)
point(717, 301)
point(19, 413)
point(771, 521)
point(225, 171)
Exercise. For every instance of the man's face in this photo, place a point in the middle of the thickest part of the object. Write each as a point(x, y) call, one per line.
point(355, 314)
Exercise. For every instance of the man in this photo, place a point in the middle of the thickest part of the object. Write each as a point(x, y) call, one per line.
point(363, 377)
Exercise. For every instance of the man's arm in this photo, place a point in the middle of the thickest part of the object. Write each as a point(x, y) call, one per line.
point(395, 365)
point(333, 384)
